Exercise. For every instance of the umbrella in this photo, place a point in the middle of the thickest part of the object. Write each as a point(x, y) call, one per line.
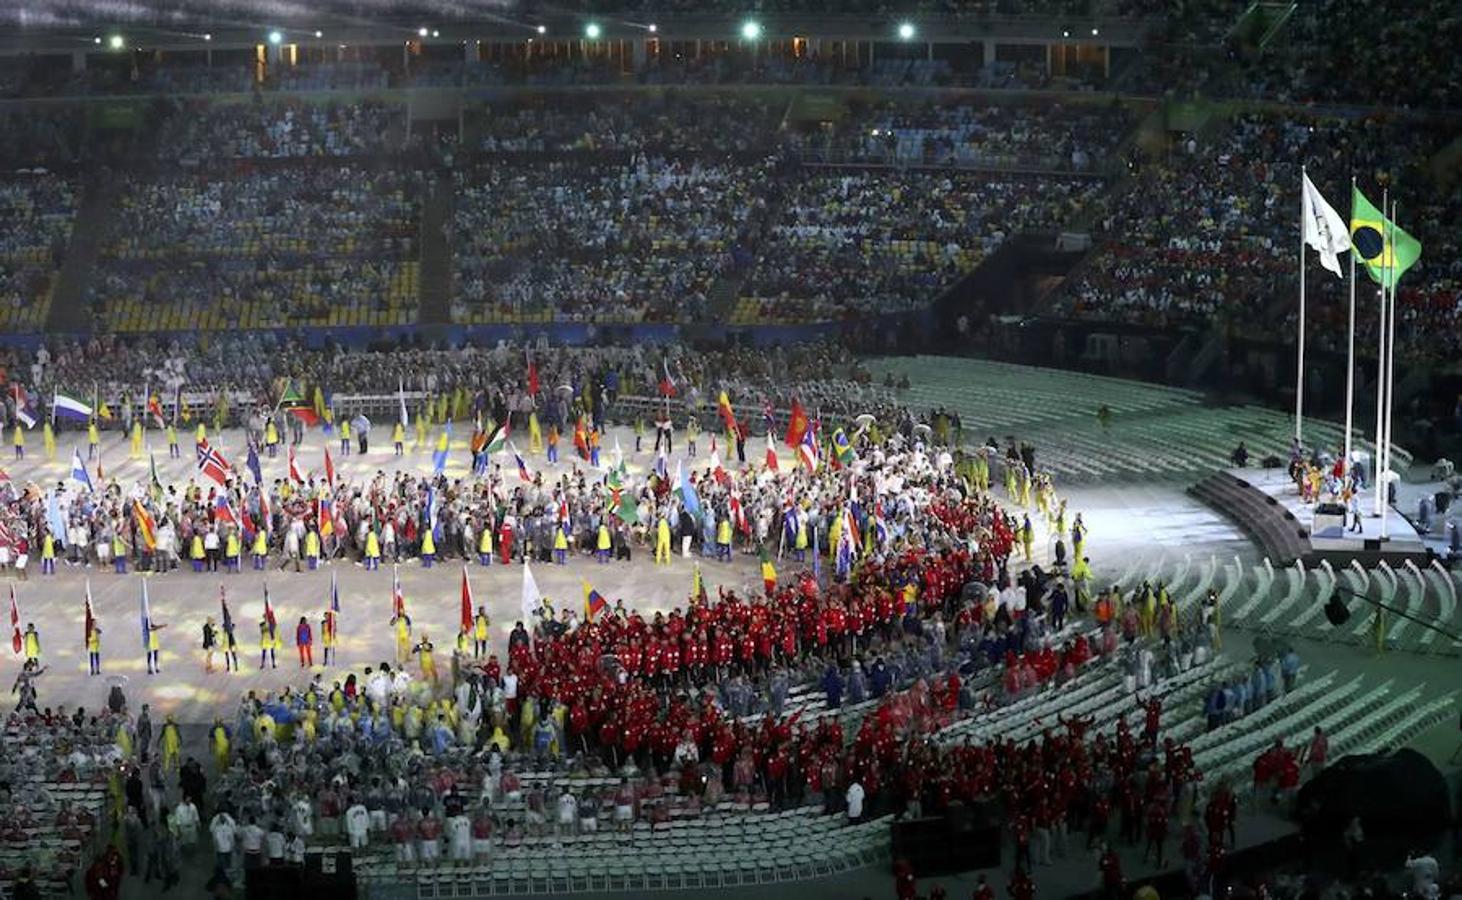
point(565, 389)
point(865, 420)
point(921, 428)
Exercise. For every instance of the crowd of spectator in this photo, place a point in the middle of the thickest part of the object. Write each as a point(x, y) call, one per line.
point(261, 248)
point(942, 133)
point(206, 132)
point(1209, 235)
point(671, 124)
point(36, 213)
point(845, 243)
point(568, 241)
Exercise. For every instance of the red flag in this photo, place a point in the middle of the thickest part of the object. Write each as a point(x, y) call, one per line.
point(772, 456)
point(532, 377)
point(269, 611)
point(294, 472)
point(398, 598)
point(154, 406)
point(797, 425)
point(581, 438)
point(667, 384)
point(329, 468)
point(466, 602)
point(304, 414)
point(15, 641)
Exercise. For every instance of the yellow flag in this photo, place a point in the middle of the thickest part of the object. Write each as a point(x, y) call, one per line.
point(105, 412)
point(535, 434)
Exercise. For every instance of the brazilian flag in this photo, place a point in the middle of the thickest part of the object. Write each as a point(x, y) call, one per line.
point(1384, 249)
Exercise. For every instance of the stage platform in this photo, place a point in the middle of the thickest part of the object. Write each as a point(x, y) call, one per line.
point(1266, 504)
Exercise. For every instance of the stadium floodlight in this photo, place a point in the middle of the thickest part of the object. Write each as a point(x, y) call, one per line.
point(208, 37)
point(423, 31)
point(907, 31)
point(116, 42)
point(652, 28)
point(276, 38)
point(319, 33)
point(542, 29)
point(1066, 32)
point(1095, 32)
point(435, 33)
point(750, 30)
point(592, 31)
point(97, 39)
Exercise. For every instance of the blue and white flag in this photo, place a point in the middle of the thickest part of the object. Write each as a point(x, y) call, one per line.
point(54, 520)
point(146, 618)
point(78, 469)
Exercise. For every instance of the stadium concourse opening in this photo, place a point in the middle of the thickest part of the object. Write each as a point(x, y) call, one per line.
point(834, 451)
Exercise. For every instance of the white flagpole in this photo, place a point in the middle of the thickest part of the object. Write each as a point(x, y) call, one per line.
point(1390, 261)
point(1299, 384)
point(1379, 502)
point(1349, 374)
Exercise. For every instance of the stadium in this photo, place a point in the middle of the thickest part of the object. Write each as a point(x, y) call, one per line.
point(978, 448)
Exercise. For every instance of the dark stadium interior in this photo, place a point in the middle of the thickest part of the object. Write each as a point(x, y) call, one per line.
point(816, 448)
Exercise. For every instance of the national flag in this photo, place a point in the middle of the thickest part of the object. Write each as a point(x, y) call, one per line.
point(211, 463)
point(842, 449)
point(1383, 248)
point(293, 402)
point(768, 418)
point(269, 612)
point(523, 473)
point(294, 472)
point(398, 597)
point(688, 497)
point(667, 384)
point(252, 463)
point(89, 620)
point(772, 455)
point(100, 475)
point(797, 425)
point(155, 483)
point(628, 508)
point(467, 603)
point(717, 471)
point(69, 407)
point(444, 443)
point(25, 408)
point(497, 438)
point(697, 585)
point(532, 375)
point(228, 619)
point(1324, 228)
point(581, 438)
point(15, 640)
point(807, 450)
point(594, 603)
point(54, 520)
point(329, 468)
point(405, 417)
point(78, 469)
point(154, 409)
point(660, 465)
point(325, 515)
point(334, 594)
point(223, 511)
point(146, 619)
point(531, 599)
point(723, 408)
point(768, 573)
point(535, 434)
point(266, 518)
point(104, 412)
point(146, 529)
point(738, 515)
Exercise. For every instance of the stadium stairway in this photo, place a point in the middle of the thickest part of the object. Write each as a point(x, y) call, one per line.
point(436, 254)
point(70, 313)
